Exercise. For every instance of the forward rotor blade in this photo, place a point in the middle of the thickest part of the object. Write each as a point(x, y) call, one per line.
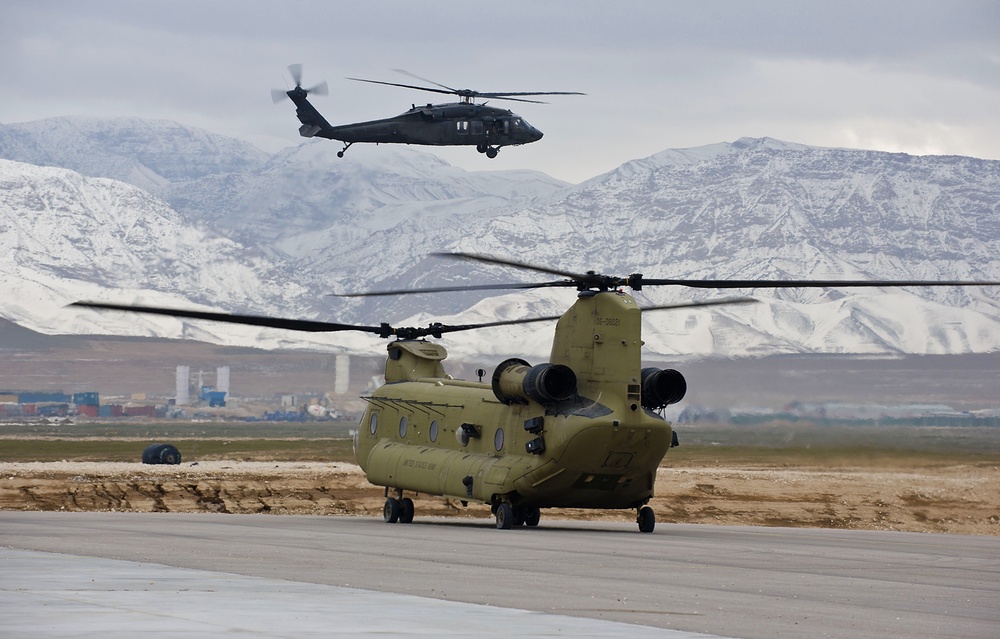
point(230, 318)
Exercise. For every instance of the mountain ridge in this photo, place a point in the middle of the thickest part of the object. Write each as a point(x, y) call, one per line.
point(752, 209)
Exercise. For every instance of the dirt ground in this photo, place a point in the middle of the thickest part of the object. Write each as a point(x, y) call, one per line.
point(962, 499)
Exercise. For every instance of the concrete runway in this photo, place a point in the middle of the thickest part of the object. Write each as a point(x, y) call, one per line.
point(316, 576)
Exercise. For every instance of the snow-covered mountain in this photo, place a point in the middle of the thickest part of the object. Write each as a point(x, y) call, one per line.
point(243, 232)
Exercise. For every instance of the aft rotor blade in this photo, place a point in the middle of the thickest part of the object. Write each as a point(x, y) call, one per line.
point(488, 259)
point(231, 318)
point(666, 307)
point(454, 289)
point(809, 283)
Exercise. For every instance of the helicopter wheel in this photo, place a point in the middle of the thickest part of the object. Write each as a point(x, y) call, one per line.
point(519, 515)
point(646, 519)
point(491, 152)
point(532, 516)
point(340, 154)
point(481, 148)
point(505, 516)
point(406, 510)
point(390, 512)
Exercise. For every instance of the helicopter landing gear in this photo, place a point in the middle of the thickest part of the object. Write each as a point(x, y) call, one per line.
point(490, 151)
point(347, 145)
point(397, 509)
point(646, 519)
point(509, 516)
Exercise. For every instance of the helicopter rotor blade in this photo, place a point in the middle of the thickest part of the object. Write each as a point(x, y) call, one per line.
point(417, 77)
point(232, 318)
point(296, 71)
point(453, 289)
point(277, 95)
point(722, 284)
point(405, 86)
point(320, 89)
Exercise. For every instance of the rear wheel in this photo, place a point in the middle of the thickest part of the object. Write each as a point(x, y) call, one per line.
point(532, 516)
point(390, 512)
point(406, 510)
point(646, 519)
point(505, 516)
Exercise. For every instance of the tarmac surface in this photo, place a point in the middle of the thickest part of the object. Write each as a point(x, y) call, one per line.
point(200, 575)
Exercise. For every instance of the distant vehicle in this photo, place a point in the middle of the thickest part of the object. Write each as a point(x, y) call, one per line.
point(161, 454)
point(462, 123)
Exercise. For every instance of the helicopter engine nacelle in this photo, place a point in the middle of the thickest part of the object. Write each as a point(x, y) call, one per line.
point(516, 381)
point(662, 387)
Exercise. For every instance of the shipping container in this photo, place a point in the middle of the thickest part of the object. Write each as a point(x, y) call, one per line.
point(89, 398)
point(110, 410)
point(140, 411)
point(37, 397)
point(87, 410)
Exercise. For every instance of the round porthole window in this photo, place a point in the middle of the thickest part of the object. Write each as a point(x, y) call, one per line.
point(498, 439)
point(434, 431)
point(402, 426)
point(373, 424)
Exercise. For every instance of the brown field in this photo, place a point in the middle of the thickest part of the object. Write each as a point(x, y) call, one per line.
point(828, 485)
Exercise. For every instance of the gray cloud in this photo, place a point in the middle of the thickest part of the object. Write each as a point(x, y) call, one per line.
point(915, 76)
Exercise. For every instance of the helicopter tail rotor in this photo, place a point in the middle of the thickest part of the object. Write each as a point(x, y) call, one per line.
point(277, 95)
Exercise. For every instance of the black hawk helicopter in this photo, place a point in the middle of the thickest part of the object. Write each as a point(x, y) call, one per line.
point(463, 123)
point(583, 430)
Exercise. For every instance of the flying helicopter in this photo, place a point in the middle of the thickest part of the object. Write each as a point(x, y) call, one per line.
point(583, 430)
point(462, 123)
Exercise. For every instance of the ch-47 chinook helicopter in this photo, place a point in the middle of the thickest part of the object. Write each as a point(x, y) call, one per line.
point(463, 123)
point(583, 430)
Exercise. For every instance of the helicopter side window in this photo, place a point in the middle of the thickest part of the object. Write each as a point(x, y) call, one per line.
point(434, 431)
point(402, 426)
point(373, 424)
point(463, 127)
point(477, 127)
point(498, 440)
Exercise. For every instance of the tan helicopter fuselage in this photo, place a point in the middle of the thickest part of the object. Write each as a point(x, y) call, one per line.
point(523, 439)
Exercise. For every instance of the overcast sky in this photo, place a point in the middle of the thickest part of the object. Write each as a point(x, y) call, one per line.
point(910, 75)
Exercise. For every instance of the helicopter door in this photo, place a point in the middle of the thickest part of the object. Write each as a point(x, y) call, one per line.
point(477, 127)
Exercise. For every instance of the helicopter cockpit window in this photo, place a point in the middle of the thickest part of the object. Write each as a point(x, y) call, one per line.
point(373, 424)
point(402, 426)
point(517, 123)
point(498, 439)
